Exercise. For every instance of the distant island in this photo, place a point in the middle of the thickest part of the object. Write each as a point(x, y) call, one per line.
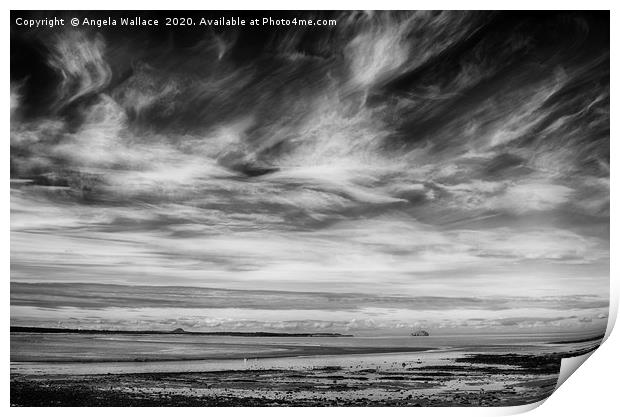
point(420, 333)
point(178, 331)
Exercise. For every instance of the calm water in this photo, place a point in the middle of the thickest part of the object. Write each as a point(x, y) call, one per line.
point(77, 353)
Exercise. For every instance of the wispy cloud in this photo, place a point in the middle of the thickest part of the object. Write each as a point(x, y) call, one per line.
point(421, 154)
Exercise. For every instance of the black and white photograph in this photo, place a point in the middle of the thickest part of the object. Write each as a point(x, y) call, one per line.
point(306, 208)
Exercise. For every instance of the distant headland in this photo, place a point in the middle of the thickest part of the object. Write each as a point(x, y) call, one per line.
point(178, 331)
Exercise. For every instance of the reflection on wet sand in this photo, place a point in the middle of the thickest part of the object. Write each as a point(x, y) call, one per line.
point(482, 374)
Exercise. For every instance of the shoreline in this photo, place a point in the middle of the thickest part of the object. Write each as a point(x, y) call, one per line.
point(305, 352)
point(468, 380)
point(290, 374)
point(75, 368)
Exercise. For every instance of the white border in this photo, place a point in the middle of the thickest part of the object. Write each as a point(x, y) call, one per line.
point(591, 391)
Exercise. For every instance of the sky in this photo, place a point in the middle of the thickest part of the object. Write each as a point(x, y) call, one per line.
point(400, 170)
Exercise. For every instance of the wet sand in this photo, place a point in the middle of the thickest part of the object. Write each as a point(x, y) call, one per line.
point(390, 384)
point(382, 380)
point(449, 376)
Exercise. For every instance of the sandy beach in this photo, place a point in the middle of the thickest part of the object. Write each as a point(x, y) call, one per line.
point(318, 376)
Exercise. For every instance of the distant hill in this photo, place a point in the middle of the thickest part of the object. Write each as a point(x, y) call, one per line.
point(178, 331)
